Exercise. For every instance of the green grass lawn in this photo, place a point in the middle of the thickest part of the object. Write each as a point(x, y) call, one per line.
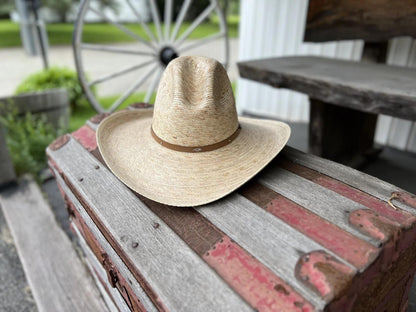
point(60, 34)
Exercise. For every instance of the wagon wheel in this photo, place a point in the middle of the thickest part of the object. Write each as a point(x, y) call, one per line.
point(153, 51)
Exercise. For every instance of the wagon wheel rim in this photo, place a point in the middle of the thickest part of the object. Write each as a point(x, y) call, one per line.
point(162, 46)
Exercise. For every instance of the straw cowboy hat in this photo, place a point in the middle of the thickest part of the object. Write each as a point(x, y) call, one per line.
point(192, 148)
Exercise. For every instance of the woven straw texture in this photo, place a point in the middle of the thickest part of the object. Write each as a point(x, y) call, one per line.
point(194, 107)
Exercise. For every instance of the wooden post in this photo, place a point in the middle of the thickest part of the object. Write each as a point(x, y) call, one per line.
point(343, 134)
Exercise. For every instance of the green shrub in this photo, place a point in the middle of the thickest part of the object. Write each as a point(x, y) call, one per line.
point(55, 77)
point(27, 138)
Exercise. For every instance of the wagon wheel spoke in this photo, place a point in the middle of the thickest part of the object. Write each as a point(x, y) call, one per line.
point(180, 19)
point(120, 73)
point(122, 28)
point(158, 44)
point(196, 23)
point(168, 18)
point(142, 23)
point(156, 19)
point(201, 42)
point(111, 49)
point(153, 86)
point(132, 88)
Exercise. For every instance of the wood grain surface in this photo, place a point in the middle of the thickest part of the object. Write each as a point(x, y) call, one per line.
point(57, 278)
point(137, 289)
point(300, 230)
point(100, 276)
point(373, 88)
point(357, 179)
point(175, 276)
point(269, 239)
point(318, 199)
point(374, 20)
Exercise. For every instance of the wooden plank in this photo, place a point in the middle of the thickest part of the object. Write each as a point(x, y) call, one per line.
point(357, 252)
point(164, 265)
point(373, 88)
point(138, 290)
point(377, 20)
point(58, 279)
point(325, 203)
point(403, 217)
point(357, 179)
point(272, 241)
point(246, 275)
point(260, 287)
point(100, 274)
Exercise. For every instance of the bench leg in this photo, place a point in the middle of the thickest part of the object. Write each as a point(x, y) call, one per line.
point(341, 134)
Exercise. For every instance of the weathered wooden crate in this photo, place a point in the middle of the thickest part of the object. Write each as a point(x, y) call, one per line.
point(306, 234)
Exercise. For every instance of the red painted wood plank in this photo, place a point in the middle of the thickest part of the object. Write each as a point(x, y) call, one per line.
point(375, 225)
point(98, 118)
point(256, 284)
point(404, 218)
point(325, 274)
point(261, 288)
point(405, 198)
point(354, 250)
point(265, 290)
point(86, 136)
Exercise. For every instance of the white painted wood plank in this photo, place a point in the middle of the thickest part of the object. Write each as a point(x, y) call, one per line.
point(399, 133)
point(58, 279)
point(325, 203)
point(180, 278)
point(382, 129)
point(97, 268)
point(411, 143)
point(138, 290)
point(269, 239)
point(364, 182)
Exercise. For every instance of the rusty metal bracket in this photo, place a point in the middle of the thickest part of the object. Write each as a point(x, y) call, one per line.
point(111, 271)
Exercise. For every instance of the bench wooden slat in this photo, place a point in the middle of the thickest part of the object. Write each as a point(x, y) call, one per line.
point(165, 262)
point(57, 278)
point(325, 203)
point(312, 225)
point(373, 88)
point(403, 217)
point(118, 262)
point(251, 279)
point(283, 243)
point(369, 184)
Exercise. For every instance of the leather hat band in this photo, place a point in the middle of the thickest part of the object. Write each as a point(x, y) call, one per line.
point(195, 149)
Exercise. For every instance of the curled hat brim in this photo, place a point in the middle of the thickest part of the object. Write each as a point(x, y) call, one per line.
point(185, 179)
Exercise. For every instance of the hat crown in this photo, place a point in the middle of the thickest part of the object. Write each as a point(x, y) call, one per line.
point(194, 104)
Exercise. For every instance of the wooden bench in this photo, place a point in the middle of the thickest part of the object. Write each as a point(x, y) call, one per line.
point(305, 235)
point(345, 96)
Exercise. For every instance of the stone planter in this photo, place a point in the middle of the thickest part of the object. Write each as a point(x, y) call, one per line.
point(54, 103)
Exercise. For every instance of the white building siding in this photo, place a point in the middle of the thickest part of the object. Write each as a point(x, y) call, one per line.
point(275, 28)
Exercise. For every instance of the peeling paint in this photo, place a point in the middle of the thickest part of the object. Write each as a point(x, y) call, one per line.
point(260, 287)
